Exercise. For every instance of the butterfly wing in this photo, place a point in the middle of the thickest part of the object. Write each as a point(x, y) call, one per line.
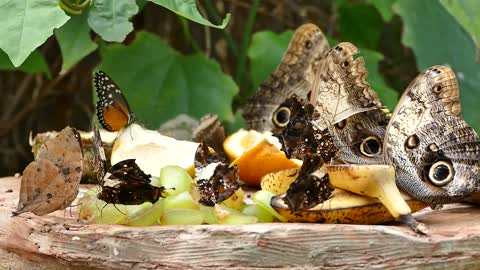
point(294, 75)
point(434, 151)
point(348, 108)
point(112, 108)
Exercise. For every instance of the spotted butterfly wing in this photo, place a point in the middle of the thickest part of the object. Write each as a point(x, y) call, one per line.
point(434, 151)
point(113, 110)
point(294, 75)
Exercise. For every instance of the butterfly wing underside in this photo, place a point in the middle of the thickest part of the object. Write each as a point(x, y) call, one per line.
point(434, 151)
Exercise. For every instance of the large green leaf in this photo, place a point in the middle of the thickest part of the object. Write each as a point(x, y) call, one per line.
point(265, 53)
point(466, 13)
point(384, 7)
point(188, 9)
point(26, 24)
point(110, 18)
point(360, 24)
point(35, 62)
point(74, 40)
point(267, 49)
point(436, 38)
point(159, 83)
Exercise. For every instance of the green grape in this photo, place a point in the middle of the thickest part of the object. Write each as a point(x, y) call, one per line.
point(236, 200)
point(258, 212)
point(146, 215)
point(182, 217)
point(175, 180)
point(262, 198)
point(182, 200)
point(209, 214)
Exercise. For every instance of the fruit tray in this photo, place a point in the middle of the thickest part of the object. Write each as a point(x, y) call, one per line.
point(60, 241)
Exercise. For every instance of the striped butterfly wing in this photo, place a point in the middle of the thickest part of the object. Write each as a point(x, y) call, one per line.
point(112, 108)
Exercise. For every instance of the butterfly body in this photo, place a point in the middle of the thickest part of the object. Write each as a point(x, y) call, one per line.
point(112, 107)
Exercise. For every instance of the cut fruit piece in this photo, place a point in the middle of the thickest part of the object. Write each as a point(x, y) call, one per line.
point(147, 215)
point(182, 217)
point(227, 215)
point(236, 200)
point(259, 212)
point(152, 150)
point(95, 211)
point(183, 200)
point(344, 207)
point(262, 198)
point(209, 214)
point(175, 180)
point(279, 182)
point(262, 159)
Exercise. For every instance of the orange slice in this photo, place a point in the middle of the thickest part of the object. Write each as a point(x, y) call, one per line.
point(256, 154)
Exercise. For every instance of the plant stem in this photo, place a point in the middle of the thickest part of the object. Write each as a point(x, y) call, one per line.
point(247, 34)
point(188, 35)
point(212, 12)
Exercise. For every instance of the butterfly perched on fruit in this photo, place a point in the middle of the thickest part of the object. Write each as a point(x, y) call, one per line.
point(123, 183)
point(113, 110)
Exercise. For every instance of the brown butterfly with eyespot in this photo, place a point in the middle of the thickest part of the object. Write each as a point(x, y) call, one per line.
point(294, 75)
point(436, 154)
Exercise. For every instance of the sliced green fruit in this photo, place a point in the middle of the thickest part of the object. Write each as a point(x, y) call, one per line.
point(182, 217)
point(175, 180)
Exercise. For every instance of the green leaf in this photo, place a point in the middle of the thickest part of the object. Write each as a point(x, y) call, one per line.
point(159, 83)
point(388, 95)
point(384, 7)
point(110, 18)
point(74, 40)
point(466, 13)
point(265, 53)
point(436, 38)
point(360, 24)
point(35, 62)
point(188, 9)
point(26, 24)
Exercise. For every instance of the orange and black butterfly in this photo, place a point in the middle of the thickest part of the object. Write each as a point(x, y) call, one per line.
point(112, 108)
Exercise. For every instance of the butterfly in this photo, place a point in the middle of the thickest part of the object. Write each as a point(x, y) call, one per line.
point(436, 154)
point(51, 182)
point(294, 75)
point(112, 108)
point(215, 180)
point(123, 183)
point(346, 108)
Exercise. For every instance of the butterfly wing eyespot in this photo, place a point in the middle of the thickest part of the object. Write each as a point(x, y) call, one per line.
point(371, 146)
point(281, 117)
point(112, 108)
point(441, 173)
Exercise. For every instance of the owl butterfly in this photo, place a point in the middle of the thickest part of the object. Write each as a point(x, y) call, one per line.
point(112, 108)
point(348, 108)
point(294, 75)
point(51, 182)
point(434, 151)
point(124, 182)
point(216, 181)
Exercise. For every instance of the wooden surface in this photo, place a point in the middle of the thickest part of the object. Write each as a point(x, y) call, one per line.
point(59, 241)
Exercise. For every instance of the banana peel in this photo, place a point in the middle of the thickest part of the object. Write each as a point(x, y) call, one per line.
point(343, 208)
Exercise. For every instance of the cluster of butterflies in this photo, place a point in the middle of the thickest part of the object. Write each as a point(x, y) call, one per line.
point(318, 102)
point(125, 182)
